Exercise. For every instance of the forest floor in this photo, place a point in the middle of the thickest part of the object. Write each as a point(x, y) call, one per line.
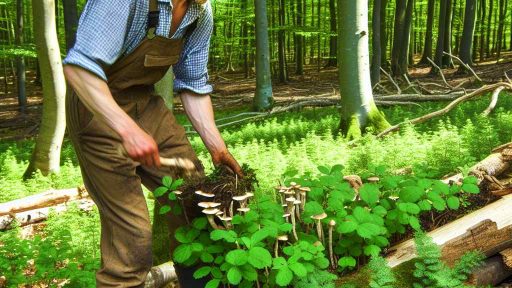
point(233, 90)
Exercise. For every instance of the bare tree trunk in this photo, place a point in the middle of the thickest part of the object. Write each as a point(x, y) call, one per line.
point(263, 96)
point(376, 42)
point(20, 61)
point(70, 22)
point(466, 43)
point(501, 26)
point(483, 6)
point(427, 49)
point(333, 39)
point(359, 110)
point(281, 39)
point(46, 155)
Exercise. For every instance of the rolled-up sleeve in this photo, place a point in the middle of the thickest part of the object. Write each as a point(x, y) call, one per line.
point(101, 33)
point(191, 72)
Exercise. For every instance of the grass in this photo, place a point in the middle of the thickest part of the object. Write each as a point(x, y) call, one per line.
point(299, 141)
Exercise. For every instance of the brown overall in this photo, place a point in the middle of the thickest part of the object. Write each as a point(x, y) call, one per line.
point(113, 180)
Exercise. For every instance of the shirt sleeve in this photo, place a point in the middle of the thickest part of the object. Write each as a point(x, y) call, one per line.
point(101, 32)
point(191, 72)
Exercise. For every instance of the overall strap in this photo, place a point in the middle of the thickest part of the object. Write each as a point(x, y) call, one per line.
point(153, 18)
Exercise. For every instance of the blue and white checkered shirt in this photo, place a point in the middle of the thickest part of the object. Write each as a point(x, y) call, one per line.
point(109, 29)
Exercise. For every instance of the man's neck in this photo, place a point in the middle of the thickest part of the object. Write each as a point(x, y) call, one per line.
point(179, 2)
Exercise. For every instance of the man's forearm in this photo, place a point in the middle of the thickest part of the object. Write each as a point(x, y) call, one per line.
point(200, 113)
point(96, 96)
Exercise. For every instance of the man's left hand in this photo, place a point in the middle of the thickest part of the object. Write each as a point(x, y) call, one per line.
point(225, 158)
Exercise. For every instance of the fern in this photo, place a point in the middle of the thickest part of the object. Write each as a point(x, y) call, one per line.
point(382, 276)
point(432, 272)
point(317, 279)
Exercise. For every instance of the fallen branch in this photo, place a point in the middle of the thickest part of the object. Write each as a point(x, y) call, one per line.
point(494, 101)
point(45, 199)
point(161, 275)
point(398, 90)
point(440, 72)
point(448, 108)
point(465, 65)
point(492, 272)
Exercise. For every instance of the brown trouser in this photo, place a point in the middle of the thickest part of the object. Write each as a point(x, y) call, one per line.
point(114, 181)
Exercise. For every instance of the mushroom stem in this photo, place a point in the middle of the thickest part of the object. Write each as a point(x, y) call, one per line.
point(332, 223)
point(319, 229)
point(276, 248)
point(293, 224)
point(231, 209)
point(184, 210)
point(212, 222)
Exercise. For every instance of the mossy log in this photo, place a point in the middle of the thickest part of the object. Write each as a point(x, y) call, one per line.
point(487, 230)
point(492, 272)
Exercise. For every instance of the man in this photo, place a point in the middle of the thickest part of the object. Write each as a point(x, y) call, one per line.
point(119, 128)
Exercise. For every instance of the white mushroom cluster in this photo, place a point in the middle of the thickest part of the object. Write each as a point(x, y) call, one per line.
point(224, 214)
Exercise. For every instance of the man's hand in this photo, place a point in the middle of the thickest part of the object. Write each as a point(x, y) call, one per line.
point(225, 158)
point(141, 147)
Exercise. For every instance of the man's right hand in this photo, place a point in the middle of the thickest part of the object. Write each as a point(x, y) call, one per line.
point(141, 147)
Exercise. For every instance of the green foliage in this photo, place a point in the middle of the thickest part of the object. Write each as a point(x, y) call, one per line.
point(430, 271)
point(382, 276)
point(59, 254)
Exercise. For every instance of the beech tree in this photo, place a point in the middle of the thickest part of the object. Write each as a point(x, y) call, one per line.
point(263, 96)
point(46, 155)
point(358, 107)
point(466, 42)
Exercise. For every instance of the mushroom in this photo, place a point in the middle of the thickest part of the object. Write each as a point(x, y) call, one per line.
point(297, 208)
point(290, 202)
point(373, 179)
point(205, 194)
point(285, 216)
point(332, 223)
point(241, 199)
point(226, 220)
point(210, 213)
point(283, 238)
point(318, 218)
point(303, 192)
point(243, 209)
point(178, 194)
point(208, 204)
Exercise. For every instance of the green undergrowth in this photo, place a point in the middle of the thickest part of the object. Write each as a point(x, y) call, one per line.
point(303, 140)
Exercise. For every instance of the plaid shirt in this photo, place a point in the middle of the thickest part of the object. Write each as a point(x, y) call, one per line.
point(109, 29)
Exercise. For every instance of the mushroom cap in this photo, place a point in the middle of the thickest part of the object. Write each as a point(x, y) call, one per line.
point(289, 192)
point(286, 215)
point(240, 198)
point(208, 204)
point(297, 202)
point(305, 189)
point(319, 216)
point(282, 238)
point(249, 194)
point(293, 184)
point(283, 190)
point(290, 199)
point(211, 211)
point(201, 193)
point(227, 218)
point(373, 179)
point(245, 209)
point(332, 222)
point(394, 198)
point(178, 192)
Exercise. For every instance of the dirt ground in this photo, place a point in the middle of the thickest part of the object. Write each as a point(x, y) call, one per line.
point(234, 90)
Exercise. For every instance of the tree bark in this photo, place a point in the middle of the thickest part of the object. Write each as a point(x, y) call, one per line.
point(501, 26)
point(443, 9)
point(427, 49)
point(466, 43)
point(20, 61)
point(383, 34)
point(358, 107)
point(263, 96)
point(376, 42)
point(281, 39)
point(46, 155)
point(70, 22)
point(483, 6)
point(398, 36)
point(299, 41)
point(333, 42)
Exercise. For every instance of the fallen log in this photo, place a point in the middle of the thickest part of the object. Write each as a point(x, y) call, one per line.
point(161, 275)
point(492, 165)
point(492, 272)
point(37, 215)
point(490, 230)
point(42, 200)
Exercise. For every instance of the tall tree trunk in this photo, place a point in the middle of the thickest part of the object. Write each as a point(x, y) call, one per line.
point(20, 61)
point(488, 36)
point(466, 43)
point(483, 6)
point(501, 26)
point(359, 110)
point(299, 41)
point(263, 96)
point(46, 155)
point(244, 33)
point(383, 34)
point(281, 49)
point(447, 60)
point(70, 22)
point(398, 36)
point(376, 42)
point(333, 39)
point(427, 49)
point(441, 34)
point(403, 59)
